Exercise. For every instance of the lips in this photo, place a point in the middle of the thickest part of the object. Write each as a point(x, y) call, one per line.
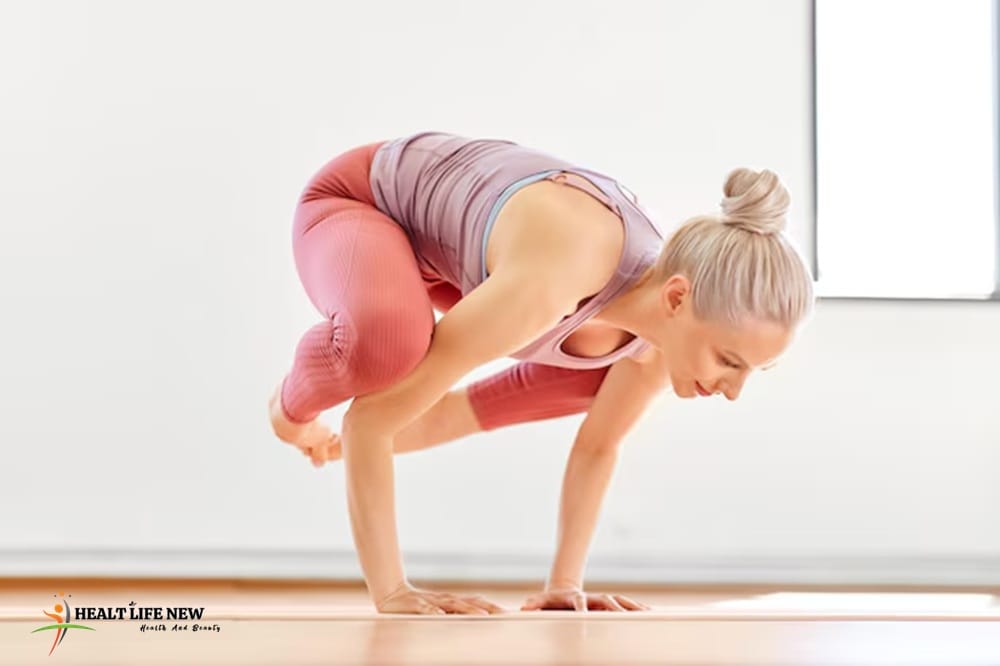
point(701, 390)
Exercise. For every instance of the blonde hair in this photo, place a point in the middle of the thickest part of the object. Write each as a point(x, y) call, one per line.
point(740, 263)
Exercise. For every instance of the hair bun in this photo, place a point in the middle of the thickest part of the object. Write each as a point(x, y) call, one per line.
point(755, 201)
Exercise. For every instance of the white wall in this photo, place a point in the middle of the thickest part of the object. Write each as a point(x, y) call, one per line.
point(152, 154)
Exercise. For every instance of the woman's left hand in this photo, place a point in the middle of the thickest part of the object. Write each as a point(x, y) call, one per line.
point(574, 598)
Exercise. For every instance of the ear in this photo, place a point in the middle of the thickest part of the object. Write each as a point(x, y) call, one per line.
point(674, 291)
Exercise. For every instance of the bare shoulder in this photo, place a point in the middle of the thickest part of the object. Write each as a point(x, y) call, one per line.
point(547, 225)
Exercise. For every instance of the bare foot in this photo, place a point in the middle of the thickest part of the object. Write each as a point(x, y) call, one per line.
point(314, 439)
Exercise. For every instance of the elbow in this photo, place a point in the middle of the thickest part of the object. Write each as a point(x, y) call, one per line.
point(364, 420)
point(597, 446)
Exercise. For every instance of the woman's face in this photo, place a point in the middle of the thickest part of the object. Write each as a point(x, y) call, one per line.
point(716, 357)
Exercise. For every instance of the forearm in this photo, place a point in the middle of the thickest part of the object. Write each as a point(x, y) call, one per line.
point(371, 503)
point(450, 418)
point(588, 475)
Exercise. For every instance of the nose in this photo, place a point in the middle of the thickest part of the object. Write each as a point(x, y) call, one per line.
point(732, 389)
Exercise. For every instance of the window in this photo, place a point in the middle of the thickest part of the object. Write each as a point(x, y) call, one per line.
point(906, 146)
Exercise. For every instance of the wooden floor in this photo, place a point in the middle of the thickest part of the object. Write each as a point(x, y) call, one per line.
point(324, 623)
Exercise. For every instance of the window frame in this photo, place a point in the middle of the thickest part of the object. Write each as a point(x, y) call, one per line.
point(994, 296)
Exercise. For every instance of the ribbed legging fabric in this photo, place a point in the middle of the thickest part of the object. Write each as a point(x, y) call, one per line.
point(359, 270)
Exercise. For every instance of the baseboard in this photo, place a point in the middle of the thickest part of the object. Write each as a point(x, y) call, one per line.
point(947, 570)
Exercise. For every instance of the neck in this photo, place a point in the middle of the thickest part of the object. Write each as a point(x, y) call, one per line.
point(636, 311)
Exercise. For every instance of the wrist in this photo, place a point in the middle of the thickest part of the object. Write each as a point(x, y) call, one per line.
point(563, 584)
point(381, 595)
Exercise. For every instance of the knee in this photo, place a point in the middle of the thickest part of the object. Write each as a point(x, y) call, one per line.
point(388, 342)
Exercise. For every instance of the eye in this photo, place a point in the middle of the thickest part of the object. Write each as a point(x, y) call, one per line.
point(726, 362)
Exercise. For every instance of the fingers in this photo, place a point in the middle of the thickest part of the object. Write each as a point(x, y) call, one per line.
point(425, 607)
point(617, 602)
point(610, 603)
point(411, 605)
point(582, 602)
point(474, 605)
point(629, 604)
point(409, 599)
point(455, 605)
point(486, 604)
point(429, 603)
point(479, 602)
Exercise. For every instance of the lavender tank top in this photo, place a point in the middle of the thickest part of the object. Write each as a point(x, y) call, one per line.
point(445, 191)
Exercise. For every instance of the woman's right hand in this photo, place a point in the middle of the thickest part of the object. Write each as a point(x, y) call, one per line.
point(413, 600)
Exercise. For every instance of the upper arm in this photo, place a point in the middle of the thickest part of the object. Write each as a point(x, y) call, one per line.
point(624, 396)
point(507, 311)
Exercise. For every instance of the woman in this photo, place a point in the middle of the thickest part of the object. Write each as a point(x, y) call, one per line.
point(527, 256)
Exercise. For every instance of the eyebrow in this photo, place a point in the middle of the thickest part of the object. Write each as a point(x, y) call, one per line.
point(745, 364)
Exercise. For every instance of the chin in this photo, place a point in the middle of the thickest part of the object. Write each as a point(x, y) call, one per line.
point(687, 393)
point(690, 390)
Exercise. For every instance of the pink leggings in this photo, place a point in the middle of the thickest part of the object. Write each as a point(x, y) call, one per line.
point(359, 270)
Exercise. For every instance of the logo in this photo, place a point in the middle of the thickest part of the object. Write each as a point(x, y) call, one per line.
point(63, 626)
point(64, 614)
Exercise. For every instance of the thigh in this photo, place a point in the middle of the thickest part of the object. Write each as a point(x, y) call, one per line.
point(354, 260)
